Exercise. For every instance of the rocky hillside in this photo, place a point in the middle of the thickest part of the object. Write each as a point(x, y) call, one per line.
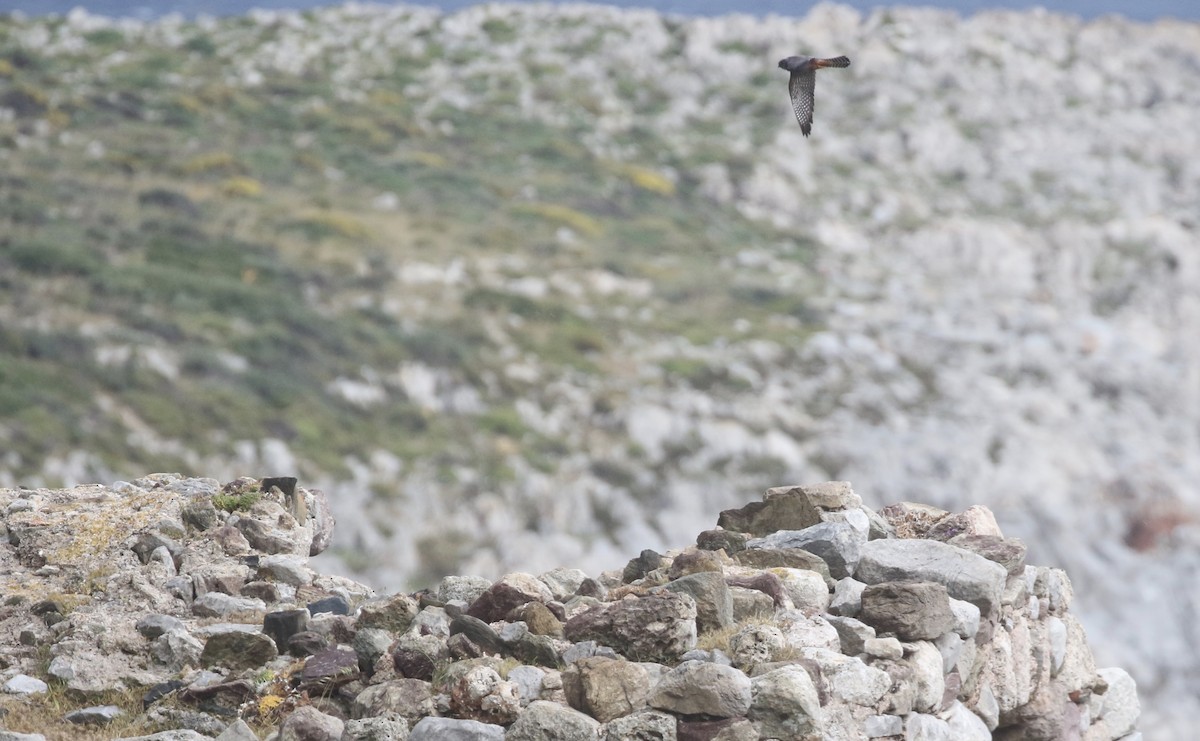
point(572, 273)
point(176, 609)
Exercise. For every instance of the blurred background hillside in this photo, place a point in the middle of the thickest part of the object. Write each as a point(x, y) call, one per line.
point(529, 286)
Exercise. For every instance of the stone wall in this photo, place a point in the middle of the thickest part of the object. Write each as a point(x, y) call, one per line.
point(802, 616)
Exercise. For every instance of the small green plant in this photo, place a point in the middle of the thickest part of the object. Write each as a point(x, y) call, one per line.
point(236, 502)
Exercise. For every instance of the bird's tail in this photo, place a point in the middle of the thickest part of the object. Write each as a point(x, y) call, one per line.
point(835, 62)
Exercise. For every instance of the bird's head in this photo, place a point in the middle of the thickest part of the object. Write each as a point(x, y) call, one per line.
point(792, 63)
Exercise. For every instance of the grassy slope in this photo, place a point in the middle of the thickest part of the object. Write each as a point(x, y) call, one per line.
point(151, 210)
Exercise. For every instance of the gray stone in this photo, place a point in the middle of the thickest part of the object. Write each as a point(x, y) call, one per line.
point(926, 663)
point(322, 519)
point(785, 703)
point(876, 726)
point(177, 649)
point(97, 715)
point(1078, 666)
point(238, 649)
point(287, 569)
point(852, 633)
point(750, 604)
point(696, 687)
point(464, 588)
point(370, 644)
point(838, 544)
point(965, 725)
point(218, 604)
point(511, 591)
point(550, 721)
point(306, 723)
point(1056, 634)
point(966, 576)
point(725, 729)
point(1008, 552)
point(714, 603)
point(606, 688)
point(921, 727)
point(1048, 716)
point(966, 618)
point(950, 645)
point(1055, 586)
point(23, 684)
point(395, 613)
point(262, 537)
point(987, 708)
point(787, 558)
point(804, 631)
point(976, 520)
point(562, 582)
point(649, 725)
point(528, 680)
point(388, 727)
point(807, 590)
point(903, 693)
point(911, 610)
point(786, 508)
point(455, 729)
point(884, 648)
point(824, 495)
point(657, 627)
point(152, 626)
point(848, 679)
point(182, 734)
point(408, 698)
point(755, 644)
point(1120, 709)
point(847, 597)
point(238, 730)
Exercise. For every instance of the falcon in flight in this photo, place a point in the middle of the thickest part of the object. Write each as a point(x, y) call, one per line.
point(803, 78)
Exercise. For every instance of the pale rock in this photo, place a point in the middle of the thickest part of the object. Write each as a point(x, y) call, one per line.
point(965, 725)
point(454, 729)
point(23, 684)
point(806, 589)
point(849, 679)
point(287, 569)
point(755, 644)
point(785, 703)
point(922, 727)
point(877, 726)
point(563, 582)
point(852, 633)
point(306, 723)
point(966, 618)
point(550, 721)
point(696, 687)
point(847, 597)
point(1056, 633)
point(802, 631)
point(649, 725)
point(966, 576)
point(926, 663)
point(1121, 708)
point(884, 648)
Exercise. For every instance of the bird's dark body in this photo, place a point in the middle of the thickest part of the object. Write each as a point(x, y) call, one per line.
point(802, 82)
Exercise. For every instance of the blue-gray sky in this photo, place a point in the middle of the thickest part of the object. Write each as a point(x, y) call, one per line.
point(1137, 9)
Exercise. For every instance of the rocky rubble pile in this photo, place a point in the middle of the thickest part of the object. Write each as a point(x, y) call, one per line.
point(802, 616)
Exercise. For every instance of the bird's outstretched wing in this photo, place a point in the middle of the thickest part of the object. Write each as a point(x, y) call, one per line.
point(800, 86)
